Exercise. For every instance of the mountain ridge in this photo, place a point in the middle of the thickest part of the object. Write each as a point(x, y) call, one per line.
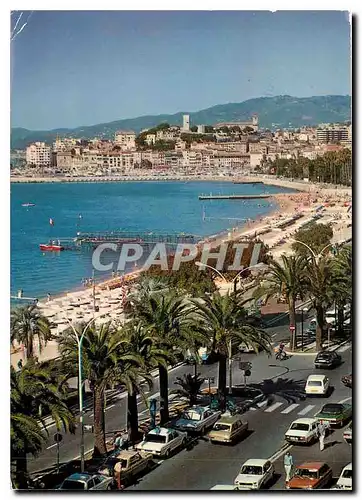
point(273, 112)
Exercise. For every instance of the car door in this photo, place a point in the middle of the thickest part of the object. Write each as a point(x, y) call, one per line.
point(134, 465)
point(174, 440)
point(91, 484)
point(324, 475)
point(314, 430)
point(268, 472)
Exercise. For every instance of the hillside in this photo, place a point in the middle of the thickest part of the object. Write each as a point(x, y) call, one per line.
point(274, 112)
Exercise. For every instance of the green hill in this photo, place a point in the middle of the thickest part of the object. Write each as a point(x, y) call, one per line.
point(273, 112)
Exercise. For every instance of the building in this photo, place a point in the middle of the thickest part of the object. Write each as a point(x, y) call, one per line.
point(38, 154)
point(17, 158)
point(201, 129)
point(150, 139)
point(126, 139)
point(332, 134)
point(253, 123)
point(186, 123)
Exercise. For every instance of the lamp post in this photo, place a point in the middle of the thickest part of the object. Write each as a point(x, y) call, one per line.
point(80, 384)
point(316, 256)
point(303, 310)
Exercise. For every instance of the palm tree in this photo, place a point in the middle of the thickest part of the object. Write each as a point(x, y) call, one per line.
point(26, 323)
point(224, 321)
point(33, 398)
point(138, 341)
point(165, 316)
point(189, 386)
point(104, 363)
point(286, 278)
point(342, 282)
point(320, 278)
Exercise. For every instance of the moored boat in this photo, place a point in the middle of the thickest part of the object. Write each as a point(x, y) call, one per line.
point(52, 246)
point(28, 204)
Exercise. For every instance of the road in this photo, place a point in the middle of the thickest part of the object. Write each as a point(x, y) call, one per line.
point(208, 464)
point(116, 407)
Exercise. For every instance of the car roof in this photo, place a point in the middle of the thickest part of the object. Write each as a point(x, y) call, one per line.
point(127, 454)
point(197, 409)
point(256, 461)
point(228, 419)
point(304, 421)
point(162, 431)
point(84, 476)
point(348, 466)
point(316, 377)
point(311, 465)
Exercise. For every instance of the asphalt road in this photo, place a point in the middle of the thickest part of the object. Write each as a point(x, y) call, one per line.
point(116, 407)
point(206, 464)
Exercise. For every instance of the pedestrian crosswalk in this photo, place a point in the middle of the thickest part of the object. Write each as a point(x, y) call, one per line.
point(285, 408)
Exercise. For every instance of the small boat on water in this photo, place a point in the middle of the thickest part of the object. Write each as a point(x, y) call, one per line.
point(28, 204)
point(52, 246)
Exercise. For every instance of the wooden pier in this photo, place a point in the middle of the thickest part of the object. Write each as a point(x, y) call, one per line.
point(234, 196)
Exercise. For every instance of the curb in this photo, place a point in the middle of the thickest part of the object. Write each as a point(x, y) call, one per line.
point(280, 452)
point(330, 349)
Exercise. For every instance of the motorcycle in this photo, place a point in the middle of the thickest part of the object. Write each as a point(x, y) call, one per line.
point(280, 355)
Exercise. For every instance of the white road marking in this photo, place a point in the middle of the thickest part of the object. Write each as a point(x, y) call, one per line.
point(306, 410)
point(344, 348)
point(91, 414)
point(52, 446)
point(290, 408)
point(263, 403)
point(344, 400)
point(273, 407)
point(111, 406)
point(142, 412)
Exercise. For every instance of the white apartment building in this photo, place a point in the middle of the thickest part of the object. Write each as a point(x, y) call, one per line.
point(126, 139)
point(150, 139)
point(240, 147)
point(186, 123)
point(38, 154)
point(201, 129)
point(224, 159)
point(192, 159)
point(332, 134)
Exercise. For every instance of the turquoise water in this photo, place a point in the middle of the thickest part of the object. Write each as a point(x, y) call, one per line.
point(168, 207)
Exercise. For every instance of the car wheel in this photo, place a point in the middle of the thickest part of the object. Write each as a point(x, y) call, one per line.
point(167, 453)
point(203, 431)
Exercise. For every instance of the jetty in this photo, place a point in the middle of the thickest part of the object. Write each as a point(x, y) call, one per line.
point(234, 196)
point(248, 182)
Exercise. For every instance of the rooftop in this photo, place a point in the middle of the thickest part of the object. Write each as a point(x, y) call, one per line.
point(256, 461)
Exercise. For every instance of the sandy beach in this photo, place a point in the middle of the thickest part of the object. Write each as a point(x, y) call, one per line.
point(296, 209)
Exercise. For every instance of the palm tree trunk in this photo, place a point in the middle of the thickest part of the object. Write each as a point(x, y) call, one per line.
point(164, 415)
point(132, 417)
point(99, 435)
point(29, 346)
point(222, 374)
point(195, 369)
point(292, 321)
point(340, 318)
point(320, 324)
point(21, 471)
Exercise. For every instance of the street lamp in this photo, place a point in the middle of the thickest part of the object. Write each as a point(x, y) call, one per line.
point(316, 256)
point(80, 384)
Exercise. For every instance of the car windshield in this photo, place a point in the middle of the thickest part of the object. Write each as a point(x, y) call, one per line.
point(155, 438)
point(73, 485)
point(315, 383)
point(312, 474)
point(299, 427)
point(221, 427)
point(335, 409)
point(347, 474)
point(324, 355)
point(255, 470)
point(191, 415)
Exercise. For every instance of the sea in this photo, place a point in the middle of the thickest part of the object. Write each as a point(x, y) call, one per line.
point(165, 207)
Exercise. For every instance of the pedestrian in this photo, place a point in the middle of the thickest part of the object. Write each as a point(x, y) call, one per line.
point(48, 297)
point(322, 435)
point(20, 364)
point(288, 464)
point(118, 473)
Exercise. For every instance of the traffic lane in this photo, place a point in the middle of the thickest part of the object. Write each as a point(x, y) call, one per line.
point(209, 464)
point(337, 454)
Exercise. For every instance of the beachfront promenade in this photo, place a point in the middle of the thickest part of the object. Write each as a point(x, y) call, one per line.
point(276, 231)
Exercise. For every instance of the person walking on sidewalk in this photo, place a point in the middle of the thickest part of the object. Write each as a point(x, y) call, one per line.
point(288, 464)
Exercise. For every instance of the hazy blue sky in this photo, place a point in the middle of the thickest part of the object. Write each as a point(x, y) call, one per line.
point(82, 68)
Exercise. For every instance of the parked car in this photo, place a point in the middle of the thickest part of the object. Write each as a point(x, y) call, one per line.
point(347, 380)
point(162, 441)
point(133, 463)
point(245, 348)
point(335, 413)
point(224, 487)
point(327, 359)
point(311, 476)
point(197, 419)
point(228, 429)
point(84, 481)
point(254, 474)
point(317, 385)
point(347, 435)
point(345, 479)
point(303, 431)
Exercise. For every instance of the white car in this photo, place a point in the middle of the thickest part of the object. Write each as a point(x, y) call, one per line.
point(317, 384)
point(254, 474)
point(303, 430)
point(162, 441)
point(224, 487)
point(83, 481)
point(345, 479)
point(197, 419)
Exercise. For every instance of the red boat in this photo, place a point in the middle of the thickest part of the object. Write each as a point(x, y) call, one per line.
point(52, 246)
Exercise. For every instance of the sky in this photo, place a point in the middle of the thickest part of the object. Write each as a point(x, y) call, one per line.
point(74, 68)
